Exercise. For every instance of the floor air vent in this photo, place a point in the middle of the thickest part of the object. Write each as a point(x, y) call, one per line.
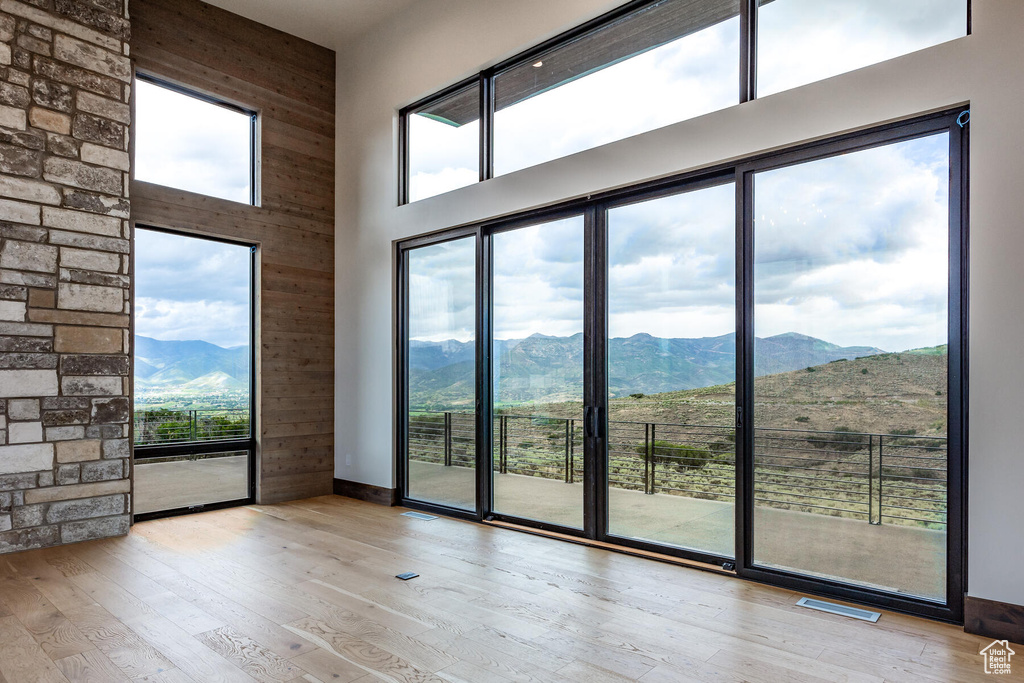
point(418, 515)
point(842, 610)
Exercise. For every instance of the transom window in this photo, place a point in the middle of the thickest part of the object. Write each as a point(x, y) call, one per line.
point(647, 65)
point(192, 142)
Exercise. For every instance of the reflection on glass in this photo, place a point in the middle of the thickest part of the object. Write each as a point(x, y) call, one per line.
point(538, 372)
point(850, 319)
point(191, 362)
point(441, 443)
point(801, 41)
point(444, 145)
point(659, 65)
point(191, 144)
point(672, 370)
point(184, 481)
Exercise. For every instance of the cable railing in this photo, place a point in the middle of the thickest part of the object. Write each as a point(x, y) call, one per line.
point(165, 427)
point(878, 478)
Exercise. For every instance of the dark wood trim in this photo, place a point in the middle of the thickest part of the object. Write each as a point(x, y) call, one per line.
point(992, 619)
point(366, 492)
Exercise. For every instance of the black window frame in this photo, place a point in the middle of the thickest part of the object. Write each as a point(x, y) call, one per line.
point(254, 157)
point(594, 210)
point(485, 80)
point(143, 452)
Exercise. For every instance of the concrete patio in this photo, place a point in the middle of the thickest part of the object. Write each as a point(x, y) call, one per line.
point(901, 559)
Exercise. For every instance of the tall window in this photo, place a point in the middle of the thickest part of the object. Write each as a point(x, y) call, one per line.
point(194, 143)
point(193, 383)
point(648, 65)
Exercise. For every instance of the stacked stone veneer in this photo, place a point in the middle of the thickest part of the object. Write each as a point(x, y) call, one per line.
point(65, 80)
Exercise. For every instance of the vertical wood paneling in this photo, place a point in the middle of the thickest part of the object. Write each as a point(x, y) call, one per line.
point(290, 82)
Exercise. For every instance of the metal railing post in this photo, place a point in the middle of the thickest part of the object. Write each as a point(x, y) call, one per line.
point(194, 418)
point(654, 459)
point(447, 439)
point(503, 465)
point(647, 457)
point(572, 451)
point(568, 476)
point(881, 478)
point(871, 479)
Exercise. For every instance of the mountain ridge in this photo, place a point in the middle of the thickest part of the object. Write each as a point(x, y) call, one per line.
point(189, 366)
point(542, 368)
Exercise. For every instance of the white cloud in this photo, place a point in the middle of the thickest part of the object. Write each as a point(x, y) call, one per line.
point(442, 291)
point(189, 288)
point(189, 144)
point(224, 323)
point(801, 41)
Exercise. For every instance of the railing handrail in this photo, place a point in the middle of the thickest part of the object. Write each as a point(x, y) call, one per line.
point(693, 426)
point(869, 475)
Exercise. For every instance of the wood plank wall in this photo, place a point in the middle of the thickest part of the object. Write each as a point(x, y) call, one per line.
point(291, 83)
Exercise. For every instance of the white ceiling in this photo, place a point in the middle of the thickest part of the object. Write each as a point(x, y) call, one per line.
point(331, 23)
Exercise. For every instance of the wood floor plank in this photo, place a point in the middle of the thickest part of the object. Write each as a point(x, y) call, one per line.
point(370, 658)
point(275, 638)
point(328, 666)
point(250, 656)
point(90, 667)
point(122, 646)
point(57, 636)
point(172, 676)
point(22, 659)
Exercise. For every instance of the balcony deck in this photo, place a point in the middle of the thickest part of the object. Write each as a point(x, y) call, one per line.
point(889, 556)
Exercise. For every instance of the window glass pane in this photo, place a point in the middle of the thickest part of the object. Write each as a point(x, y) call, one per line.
point(672, 370)
point(444, 145)
point(441, 380)
point(537, 366)
point(193, 301)
point(191, 144)
point(850, 354)
point(673, 60)
point(801, 41)
point(182, 481)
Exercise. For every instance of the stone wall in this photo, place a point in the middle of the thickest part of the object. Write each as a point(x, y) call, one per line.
point(65, 81)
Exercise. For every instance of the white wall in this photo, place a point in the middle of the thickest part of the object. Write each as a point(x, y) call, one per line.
point(438, 42)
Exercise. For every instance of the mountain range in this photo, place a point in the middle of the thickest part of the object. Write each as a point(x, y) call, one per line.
point(550, 369)
point(190, 366)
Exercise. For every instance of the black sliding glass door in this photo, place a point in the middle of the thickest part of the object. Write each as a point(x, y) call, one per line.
point(537, 372)
point(851, 366)
point(758, 368)
point(671, 451)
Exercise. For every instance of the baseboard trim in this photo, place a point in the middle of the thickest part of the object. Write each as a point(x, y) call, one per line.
point(992, 619)
point(366, 492)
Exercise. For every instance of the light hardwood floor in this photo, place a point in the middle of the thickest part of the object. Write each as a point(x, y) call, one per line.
point(306, 591)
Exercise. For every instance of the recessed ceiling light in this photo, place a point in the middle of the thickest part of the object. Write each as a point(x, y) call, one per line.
point(537, 65)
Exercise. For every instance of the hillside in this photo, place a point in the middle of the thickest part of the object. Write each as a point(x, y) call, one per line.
point(189, 366)
point(885, 393)
point(550, 369)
